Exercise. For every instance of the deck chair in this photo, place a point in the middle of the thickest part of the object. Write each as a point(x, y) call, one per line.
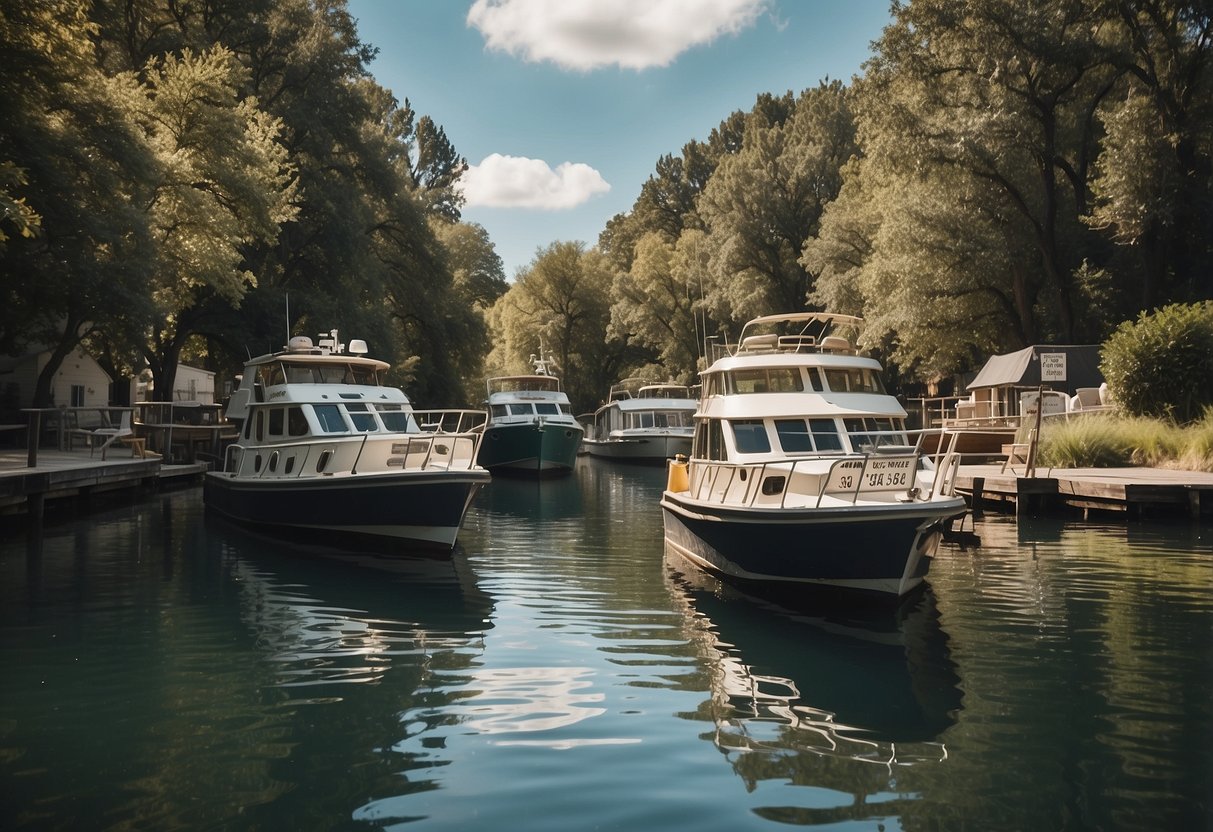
point(1018, 454)
point(112, 435)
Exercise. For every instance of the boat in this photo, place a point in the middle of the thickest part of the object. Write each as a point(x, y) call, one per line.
point(802, 474)
point(643, 421)
point(531, 428)
point(325, 447)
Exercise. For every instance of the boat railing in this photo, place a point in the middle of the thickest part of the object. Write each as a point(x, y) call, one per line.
point(432, 449)
point(451, 420)
point(883, 468)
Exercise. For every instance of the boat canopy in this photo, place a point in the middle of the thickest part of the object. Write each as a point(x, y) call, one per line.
point(1022, 368)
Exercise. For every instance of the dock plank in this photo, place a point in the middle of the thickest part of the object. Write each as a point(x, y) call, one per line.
point(1134, 490)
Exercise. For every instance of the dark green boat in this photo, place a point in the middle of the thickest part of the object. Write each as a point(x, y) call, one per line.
point(531, 429)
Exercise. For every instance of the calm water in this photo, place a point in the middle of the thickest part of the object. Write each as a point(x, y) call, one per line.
point(163, 670)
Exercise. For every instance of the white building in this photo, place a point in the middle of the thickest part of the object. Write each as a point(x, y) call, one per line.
point(80, 381)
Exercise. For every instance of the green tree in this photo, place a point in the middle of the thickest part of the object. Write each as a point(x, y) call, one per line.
point(658, 304)
point(86, 170)
point(763, 203)
point(562, 300)
point(1152, 187)
point(224, 183)
point(996, 98)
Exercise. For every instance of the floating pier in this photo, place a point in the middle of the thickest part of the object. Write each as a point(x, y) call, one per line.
point(1134, 492)
point(75, 474)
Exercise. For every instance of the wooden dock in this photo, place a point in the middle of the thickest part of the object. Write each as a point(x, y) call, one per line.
point(1133, 492)
point(75, 474)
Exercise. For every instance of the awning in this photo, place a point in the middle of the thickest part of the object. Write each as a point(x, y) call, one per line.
point(1022, 368)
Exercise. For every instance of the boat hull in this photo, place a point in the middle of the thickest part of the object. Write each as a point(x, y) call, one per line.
point(530, 449)
point(653, 448)
point(419, 509)
point(880, 550)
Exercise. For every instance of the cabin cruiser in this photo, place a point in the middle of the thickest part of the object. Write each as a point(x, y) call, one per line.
point(324, 446)
point(642, 420)
point(531, 429)
point(802, 471)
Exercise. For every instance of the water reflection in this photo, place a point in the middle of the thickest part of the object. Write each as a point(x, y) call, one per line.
point(841, 701)
point(534, 499)
point(325, 617)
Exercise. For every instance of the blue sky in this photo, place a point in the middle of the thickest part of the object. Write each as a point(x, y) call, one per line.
point(562, 107)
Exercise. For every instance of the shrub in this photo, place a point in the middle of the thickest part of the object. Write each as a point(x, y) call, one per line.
point(1162, 364)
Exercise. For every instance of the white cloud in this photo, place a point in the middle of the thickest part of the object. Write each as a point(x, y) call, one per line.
point(588, 34)
point(518, 182)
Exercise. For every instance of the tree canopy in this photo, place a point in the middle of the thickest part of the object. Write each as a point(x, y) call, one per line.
point(175, 177)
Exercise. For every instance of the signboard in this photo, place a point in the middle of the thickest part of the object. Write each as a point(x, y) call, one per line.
point(895, 473)
point(1052, 366)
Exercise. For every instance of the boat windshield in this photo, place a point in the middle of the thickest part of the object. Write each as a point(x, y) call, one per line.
point(659, 419)
point(875, 432)
point(853, 380)
point(328, 372)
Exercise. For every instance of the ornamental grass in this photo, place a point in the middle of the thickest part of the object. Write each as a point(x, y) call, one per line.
point(1121, 441)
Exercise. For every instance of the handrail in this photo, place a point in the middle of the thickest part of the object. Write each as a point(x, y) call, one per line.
point(708, 475)
point(358, 458)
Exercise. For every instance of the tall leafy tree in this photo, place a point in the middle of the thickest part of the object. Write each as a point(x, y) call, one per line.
point(1153, 183)
point(658, 303)
point(86, 171)
point(762, 203)
point(561, 302)
point(224, 183)
point(998, 98)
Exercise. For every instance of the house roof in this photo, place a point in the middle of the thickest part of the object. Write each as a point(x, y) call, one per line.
point(1022, 368)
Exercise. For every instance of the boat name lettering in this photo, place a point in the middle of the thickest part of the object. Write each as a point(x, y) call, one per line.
point(877, 475)
point(277, 394)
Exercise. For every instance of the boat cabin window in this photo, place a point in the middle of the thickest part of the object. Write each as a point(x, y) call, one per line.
point(713, 384)
point(815, 379)
point(299, 375)
point(825, 435)
point(276, 421)
point(658, 419)
point(296, 422)
point(566, 409)
point(259, 428)
point(546, 409)
point(875, 432)
point(396, 418)
point(750, 436)
point(498, 410)
point(271, 374)
point(329, 417)
point(521, 410)
point(853, 380)
point(793, 435)
point(766, 380)
point(798, 436)
point(708, 442)
point(361, 417)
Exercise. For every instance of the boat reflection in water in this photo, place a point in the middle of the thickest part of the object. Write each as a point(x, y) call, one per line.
point(532, 499)
point(835, 702)
point(329, 617)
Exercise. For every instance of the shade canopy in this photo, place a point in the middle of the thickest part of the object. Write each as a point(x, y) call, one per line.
point(1022, 368)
